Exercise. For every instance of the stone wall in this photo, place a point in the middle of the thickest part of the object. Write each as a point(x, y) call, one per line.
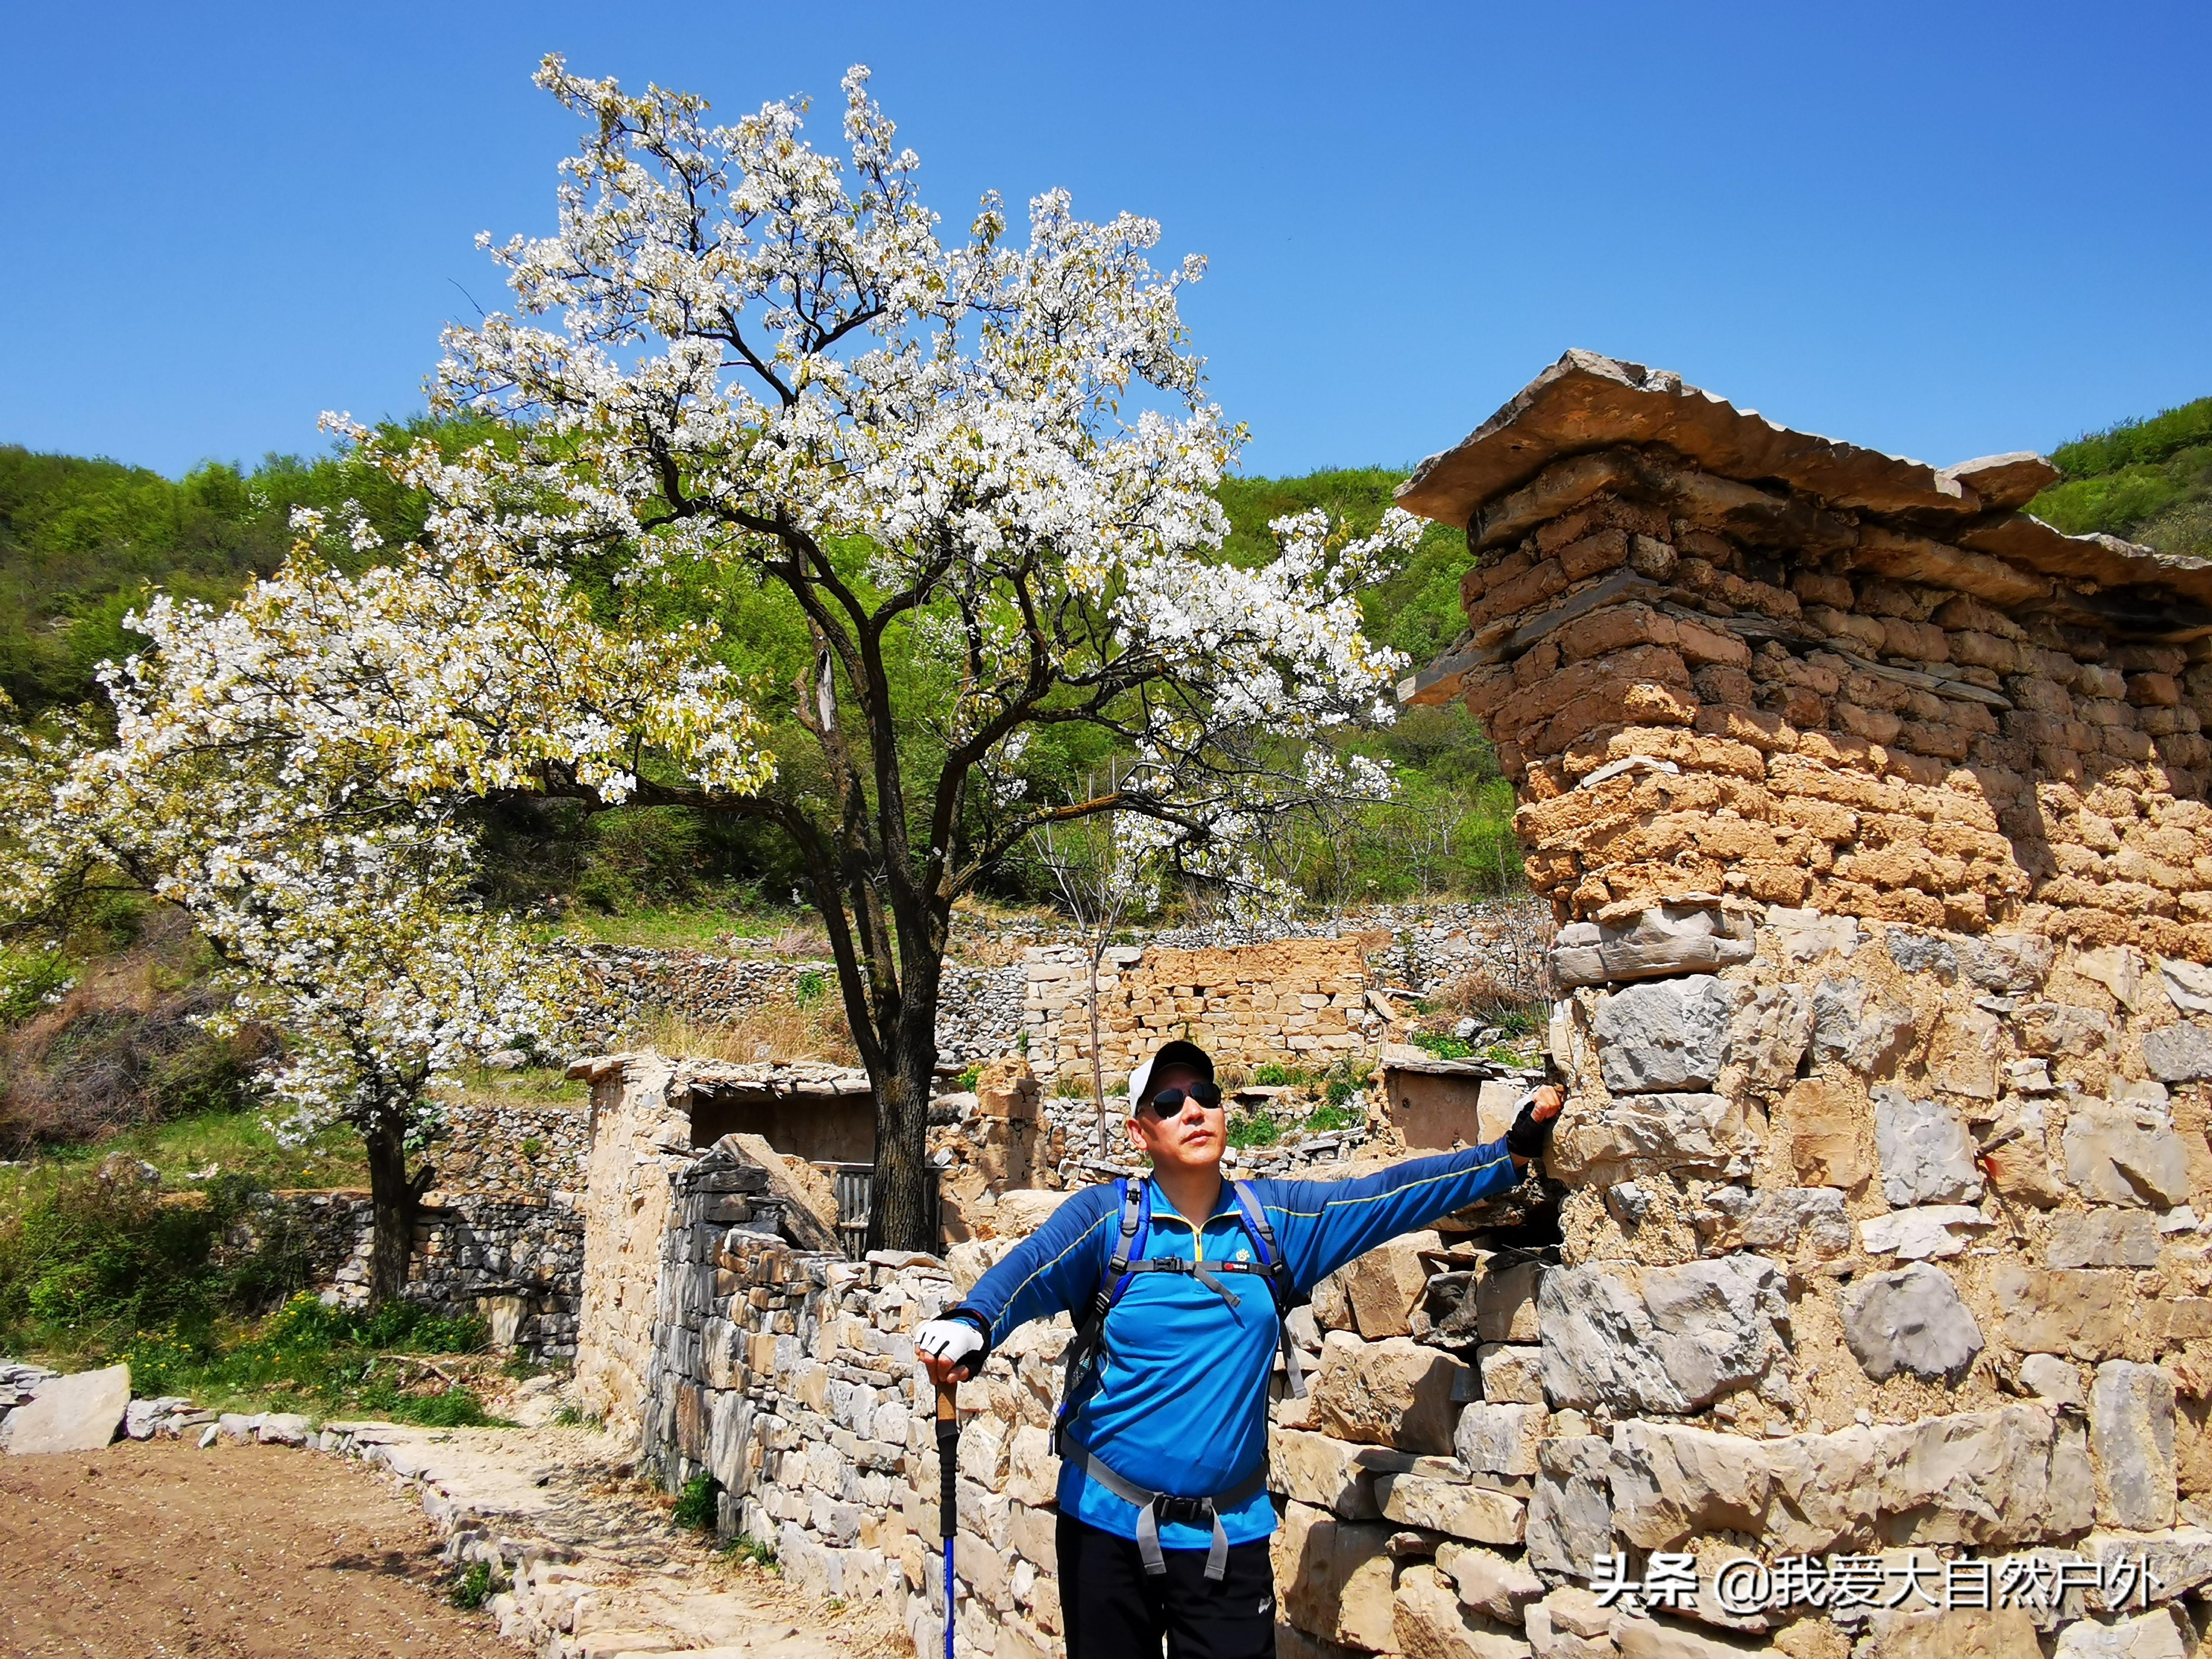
point(1873, 812)
point(512, 1149)
point(1298, 1001)
point(979, 1012)
point(516, 1263)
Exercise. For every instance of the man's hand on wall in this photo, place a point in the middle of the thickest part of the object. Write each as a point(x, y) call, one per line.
point(1532, 1130)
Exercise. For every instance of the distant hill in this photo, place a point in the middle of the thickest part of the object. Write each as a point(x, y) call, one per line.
point(2148, 481)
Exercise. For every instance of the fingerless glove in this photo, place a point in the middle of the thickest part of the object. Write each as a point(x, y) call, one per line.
point(1529, 1137)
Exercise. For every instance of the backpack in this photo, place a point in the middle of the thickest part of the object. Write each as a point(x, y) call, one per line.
point(1083, 1352)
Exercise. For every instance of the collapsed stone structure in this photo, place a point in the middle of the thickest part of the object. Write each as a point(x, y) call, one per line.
point(1874, 814)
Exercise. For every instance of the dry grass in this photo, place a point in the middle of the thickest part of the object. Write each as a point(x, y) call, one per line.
point(777, 1031)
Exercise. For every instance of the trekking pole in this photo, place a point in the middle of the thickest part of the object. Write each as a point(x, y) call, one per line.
point(948, 1458)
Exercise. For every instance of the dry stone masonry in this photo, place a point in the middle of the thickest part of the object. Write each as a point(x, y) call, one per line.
point(1869, 1248)
point(1301, 1001)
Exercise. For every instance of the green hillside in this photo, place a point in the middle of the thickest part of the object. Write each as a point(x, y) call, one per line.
point(2148, 481)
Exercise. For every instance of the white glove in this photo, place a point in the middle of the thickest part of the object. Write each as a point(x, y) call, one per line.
point(951, 1340)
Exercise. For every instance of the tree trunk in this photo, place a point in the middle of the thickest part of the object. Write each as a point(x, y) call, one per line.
point(900, 1214)
point(392, 1199)
point(1098, 1066)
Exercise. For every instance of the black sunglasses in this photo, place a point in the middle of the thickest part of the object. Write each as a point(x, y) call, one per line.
point(1169, 1101)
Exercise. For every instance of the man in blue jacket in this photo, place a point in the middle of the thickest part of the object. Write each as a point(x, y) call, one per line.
point(1164, 1509)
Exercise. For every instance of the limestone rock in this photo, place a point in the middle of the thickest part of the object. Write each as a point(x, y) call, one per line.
point(1478, 1513)
point(1665, 1035)
point(1911, 1320)
point(1870, 1041)
point(1926, 1233)
point(1648, 1638)
point(1659, 1339)
point(2188, 984)
point(1392, 1393)
point(1920, 953)
point(2125, 1155)
point(2161, 1633)
point(2131, 1439)
point(79, 1412)
point(2178, 1053)
point(1512, 1374)
point(1500, 1439)
point(1927, 1155)
point(1334, 1578)
point(1329, 1473)
point(1971, 1477)
point(1429, 1624)
point(1669, 1482)
point(1665, 938)
point(1497, 1586)
point(1332, 1308)
point(282, 1429)
point(1767, 1034)
point(2081, 1311)
point(2052, 1029)
point(1384, 1287)
point(1645, 1134)
point(1780, 1220)
point(1956, 1633)
point(2051, 1378)
point(2004, 963)
point(1962, 1054)
point(2103, 1238)
point(1505, 1295)
point(1570, 1520)
point(1020, 1212)
point(1827, 1145)
point(2019, 1171)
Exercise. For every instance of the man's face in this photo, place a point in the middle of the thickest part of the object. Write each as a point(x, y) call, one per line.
point(1193, 1139)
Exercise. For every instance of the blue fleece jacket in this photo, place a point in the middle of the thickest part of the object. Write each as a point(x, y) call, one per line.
point(1180, 1404)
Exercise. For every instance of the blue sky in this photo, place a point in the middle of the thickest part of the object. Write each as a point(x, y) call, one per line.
point(1940, 230)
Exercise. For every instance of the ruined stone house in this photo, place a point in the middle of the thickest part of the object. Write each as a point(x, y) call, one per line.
point(1874, 812)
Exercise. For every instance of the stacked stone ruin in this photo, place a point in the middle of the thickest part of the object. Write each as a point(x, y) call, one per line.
point(1872, 1242)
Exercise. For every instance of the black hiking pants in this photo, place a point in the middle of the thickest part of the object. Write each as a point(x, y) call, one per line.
point(1112, 1609)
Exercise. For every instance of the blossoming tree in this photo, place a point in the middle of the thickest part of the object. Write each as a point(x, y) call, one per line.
point(290, 772)
point(978, 475)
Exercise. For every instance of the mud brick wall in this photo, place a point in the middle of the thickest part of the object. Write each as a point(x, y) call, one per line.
point(1873, 815)
point(1298, 1001)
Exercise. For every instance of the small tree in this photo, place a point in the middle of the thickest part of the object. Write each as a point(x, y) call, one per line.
point(289, 774)
point(977, 481)
point(1107, 871)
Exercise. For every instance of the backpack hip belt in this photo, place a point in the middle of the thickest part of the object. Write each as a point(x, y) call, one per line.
point(1154, 1507)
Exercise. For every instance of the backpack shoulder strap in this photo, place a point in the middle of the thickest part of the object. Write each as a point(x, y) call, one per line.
point(1082, 1355)
point(1263, 1236)
point(1278, 1277)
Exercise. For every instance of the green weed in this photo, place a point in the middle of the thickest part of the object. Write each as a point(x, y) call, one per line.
point(759, 1552)
point(1443, 1045)
point(1252, 1129)
point(475, 1587)
point(697, 1505)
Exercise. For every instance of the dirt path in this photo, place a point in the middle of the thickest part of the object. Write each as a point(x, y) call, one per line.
point(157, 1549)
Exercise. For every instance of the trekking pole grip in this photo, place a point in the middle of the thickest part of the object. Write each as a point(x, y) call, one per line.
point(948, 1457)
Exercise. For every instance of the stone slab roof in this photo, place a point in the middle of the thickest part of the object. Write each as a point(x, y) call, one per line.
point(1586, 405)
